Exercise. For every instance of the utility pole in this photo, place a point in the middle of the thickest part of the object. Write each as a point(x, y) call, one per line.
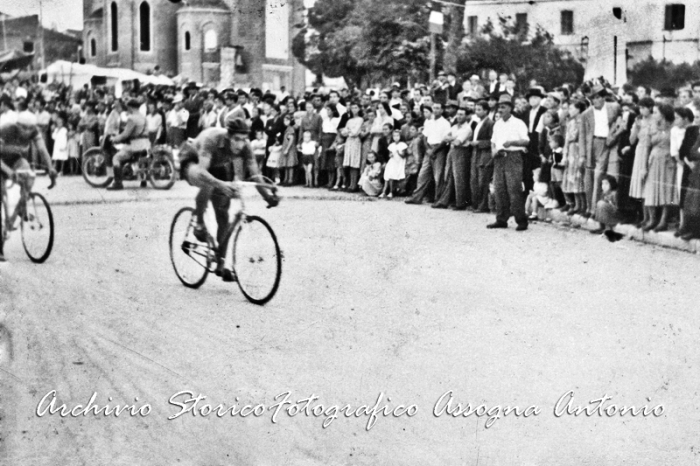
point(41, 38)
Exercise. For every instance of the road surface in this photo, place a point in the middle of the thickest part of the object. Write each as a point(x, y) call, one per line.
point(376, 298)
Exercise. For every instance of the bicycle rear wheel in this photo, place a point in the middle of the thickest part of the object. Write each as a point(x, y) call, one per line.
point(191, 258)
point(257, 260)
point(95, 168)
point(37, 228)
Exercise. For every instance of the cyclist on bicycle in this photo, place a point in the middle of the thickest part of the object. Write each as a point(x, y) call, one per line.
point(17, 135)
point(211, 161)
point(135, 139)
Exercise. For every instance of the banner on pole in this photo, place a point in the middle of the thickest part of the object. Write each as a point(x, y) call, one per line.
point(435, 22)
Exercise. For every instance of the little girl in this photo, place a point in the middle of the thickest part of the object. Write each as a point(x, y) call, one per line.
point(538, 197)
point(60, 144)
point(395, 169)
point(606, 210)
point(308, 149)
point(289, 151)
point(370, 181)
point(556, 144)
point(73, 149)
point(258, 146)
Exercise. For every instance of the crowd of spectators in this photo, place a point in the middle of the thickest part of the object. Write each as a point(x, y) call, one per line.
point(615, 155)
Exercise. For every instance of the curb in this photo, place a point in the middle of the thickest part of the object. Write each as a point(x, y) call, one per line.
point(663, 239)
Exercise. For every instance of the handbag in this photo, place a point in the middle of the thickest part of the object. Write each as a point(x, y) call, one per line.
point(273, 159)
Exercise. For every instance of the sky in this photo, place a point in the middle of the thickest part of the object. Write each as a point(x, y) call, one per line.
point(65, 14)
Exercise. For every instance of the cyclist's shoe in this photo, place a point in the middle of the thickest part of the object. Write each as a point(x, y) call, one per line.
point(200, 232)
point(226, 275)
point(115, 187)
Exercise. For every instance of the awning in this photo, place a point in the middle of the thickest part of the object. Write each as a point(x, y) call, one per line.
point(11, 60)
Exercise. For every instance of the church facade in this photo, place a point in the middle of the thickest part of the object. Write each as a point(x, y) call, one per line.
point(219, 43)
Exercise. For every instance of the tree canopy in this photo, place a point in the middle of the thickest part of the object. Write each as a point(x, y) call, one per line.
point(366, 41)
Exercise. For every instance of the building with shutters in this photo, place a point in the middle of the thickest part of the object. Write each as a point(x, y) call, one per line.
point(608, 36)
point(216, 42)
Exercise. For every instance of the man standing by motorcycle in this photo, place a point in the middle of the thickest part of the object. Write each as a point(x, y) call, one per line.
point(135, 139)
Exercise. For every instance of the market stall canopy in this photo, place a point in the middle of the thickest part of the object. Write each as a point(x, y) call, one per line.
point(11, 60)
point(78, 75)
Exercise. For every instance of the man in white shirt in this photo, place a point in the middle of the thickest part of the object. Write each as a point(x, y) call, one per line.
point(176, 123)
point(458, 164)
point(508, 144)
point(599, 140)
point(435, 131)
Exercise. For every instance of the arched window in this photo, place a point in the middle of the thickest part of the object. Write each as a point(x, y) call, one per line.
point(93, 47)
point(145, 27)
point(187, 41)
point(114, 23)
point(210, 40)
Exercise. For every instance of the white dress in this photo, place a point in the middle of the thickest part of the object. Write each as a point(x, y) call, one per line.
point(396, 166)
point(60, 144)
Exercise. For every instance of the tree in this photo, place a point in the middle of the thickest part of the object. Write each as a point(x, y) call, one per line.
point(511, 49)
point(663, 74)
point(364, 40)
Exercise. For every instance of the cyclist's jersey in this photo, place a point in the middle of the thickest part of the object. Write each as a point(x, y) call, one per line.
point(215, 144)
point(16, 137)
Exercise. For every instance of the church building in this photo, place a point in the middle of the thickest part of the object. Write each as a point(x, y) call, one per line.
point(219, 43)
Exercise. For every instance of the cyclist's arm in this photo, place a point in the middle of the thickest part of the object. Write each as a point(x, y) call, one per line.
point(254, 173)
point(198, 174)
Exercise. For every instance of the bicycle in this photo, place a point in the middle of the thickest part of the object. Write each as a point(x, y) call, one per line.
point(255, 253)
point(34, 213)
point(156, 164)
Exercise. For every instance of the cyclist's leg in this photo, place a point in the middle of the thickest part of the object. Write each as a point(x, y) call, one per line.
point(221, 205)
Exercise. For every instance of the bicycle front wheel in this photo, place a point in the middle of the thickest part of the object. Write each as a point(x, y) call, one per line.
point(257, 260)
point(191, 258)
point(37, 228)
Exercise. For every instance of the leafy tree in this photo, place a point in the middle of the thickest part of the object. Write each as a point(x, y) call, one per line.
point(512, 49)
point(663, 74)
point(365, 40)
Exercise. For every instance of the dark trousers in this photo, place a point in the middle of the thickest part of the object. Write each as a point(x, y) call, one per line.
point(595, 172)
point(457, 178)
point(481, 175)
point(507, 180)
point(431, 173)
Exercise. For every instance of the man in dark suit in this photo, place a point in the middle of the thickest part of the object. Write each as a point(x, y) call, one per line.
point(533, 120)
point(482, 162)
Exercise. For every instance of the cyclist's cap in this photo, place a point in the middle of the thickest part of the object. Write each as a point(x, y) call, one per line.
point(237, 126)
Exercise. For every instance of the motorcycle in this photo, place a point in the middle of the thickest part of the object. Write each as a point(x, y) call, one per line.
point(155, 165)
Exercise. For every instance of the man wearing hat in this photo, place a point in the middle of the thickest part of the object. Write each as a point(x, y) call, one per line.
point(534, 121)
point(193, 104)
point(508, 145)
point(599, 138)
point(451, 111)
point(135, 139)
point(210, 162)
point(176, 122)
point(439, 88)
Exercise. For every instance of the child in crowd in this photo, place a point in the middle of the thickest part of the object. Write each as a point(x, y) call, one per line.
point(395, 169)
point(73, 149)
point(370, 181)
point(289, 150)
point(258, 146)
point(308, 149)
point(60, 144)
point(539, 196)
point(556, 144)
point(273, 160)
point(607, 212)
